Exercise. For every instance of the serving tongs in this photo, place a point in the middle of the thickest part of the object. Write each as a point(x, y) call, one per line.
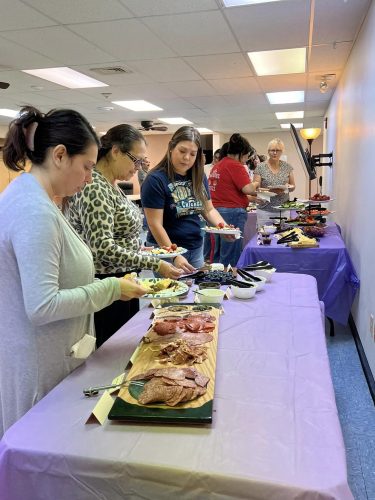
point(240, 284)
point(247, 276)
point(94, 391)
point(288, 238)
point(258, 266)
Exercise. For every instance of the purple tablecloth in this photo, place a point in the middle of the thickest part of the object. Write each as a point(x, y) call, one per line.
point(275, 432)
point(250, 227)
point(330, 264)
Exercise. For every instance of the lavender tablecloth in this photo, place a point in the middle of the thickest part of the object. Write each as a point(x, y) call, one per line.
point(275, 434)
point(330, 264)
point(250, 228)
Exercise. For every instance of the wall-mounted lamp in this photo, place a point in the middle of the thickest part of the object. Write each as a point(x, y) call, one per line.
point(323, 87)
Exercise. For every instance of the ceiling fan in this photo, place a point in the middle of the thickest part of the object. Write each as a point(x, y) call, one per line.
point(4, 85)
point(150, 125)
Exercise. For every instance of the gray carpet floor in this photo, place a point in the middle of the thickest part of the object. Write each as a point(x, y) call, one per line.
point(356, 412)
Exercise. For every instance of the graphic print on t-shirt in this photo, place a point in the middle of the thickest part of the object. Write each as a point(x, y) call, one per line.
point(184, 199)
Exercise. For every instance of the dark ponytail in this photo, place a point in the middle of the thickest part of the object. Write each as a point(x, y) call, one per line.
point(123, 136)
point(238, 145)
point(58, 126)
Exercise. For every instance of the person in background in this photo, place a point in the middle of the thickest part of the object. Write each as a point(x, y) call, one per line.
point(230, 184)
point(274, 172)
point(215, 159)
point(223, 150)
point(262, 158)
point(174, 195)
point(47, 287)
point(110, 224)
point(142, 172)
point(208, 238)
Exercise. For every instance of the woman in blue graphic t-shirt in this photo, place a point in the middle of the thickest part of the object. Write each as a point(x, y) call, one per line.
point(174, 196)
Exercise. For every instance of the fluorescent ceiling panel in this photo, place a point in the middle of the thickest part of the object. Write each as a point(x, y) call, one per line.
point(236, 3)
point(8, 112)
point(286, 97)
point(175, 121)
point(289, 115)
point(139, 105)
point(203, 130)
point(66, 77)
point(279, 62)
point(287, 125)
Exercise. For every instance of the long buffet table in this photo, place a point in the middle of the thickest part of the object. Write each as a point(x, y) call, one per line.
point(275, 433)
point(330, 264)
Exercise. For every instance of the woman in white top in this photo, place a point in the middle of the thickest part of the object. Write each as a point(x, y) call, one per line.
point(47, 287)
point(274, 172)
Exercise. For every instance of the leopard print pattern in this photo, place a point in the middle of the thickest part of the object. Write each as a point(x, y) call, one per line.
point(110, 224)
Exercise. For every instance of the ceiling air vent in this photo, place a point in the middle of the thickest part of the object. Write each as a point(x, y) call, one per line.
point(112, 70)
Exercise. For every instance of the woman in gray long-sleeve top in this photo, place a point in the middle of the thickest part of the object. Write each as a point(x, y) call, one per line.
point(47, 288)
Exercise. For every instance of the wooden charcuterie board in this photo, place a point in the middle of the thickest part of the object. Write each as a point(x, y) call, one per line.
point(196, 411)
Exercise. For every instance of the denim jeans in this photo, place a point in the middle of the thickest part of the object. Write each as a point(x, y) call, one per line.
point(193, 256)
point(228, 252)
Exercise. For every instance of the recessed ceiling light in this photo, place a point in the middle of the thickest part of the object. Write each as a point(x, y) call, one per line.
point(286, 97)
point(236, 3)
point(287, 125)
point(203, 130)
point(138, 105)
point(66, 77)
point(278, 62)
point(175, 121)
point(289, 115)
point(8, 112)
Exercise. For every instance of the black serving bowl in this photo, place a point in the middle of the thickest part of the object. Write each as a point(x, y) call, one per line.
point(209, 284)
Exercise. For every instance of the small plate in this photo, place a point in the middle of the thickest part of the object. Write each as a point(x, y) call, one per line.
point(165, 255)
point(179, 288)
point(281, 186)
point(222, 231)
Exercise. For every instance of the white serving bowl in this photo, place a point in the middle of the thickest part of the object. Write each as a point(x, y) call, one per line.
point(264, 273)
point(211, 295)
point(244, 293)
point(269, 229)
point(260, 284)
point(217, 266)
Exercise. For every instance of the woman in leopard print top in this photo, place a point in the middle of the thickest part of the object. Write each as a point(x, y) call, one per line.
point(110, 224)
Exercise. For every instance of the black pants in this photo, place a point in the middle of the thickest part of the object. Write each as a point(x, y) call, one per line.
point(113, 317)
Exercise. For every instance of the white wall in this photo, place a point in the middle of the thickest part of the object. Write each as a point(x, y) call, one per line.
point(351, 135)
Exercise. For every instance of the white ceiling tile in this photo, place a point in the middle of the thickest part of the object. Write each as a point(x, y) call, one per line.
point(237, 86)
point(16, 15)
point(193, 34)
point(70, 96)
point(210, 103)
point(268, 26)
point(282, 83)
point(116, 79)
point(315, 96)
point(77, 11)
point(18, 57)
point(338, 20)
point(325, 58)
point(254, 102)
point(161, 7)
point(166, 70)
point(191, 88)
point(22, 82)
point(126, 39)
point(59, 44)
point(146, 91)
point(218, 66)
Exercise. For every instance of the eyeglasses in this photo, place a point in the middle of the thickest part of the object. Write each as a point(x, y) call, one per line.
point(275, 150)
point(137, 161)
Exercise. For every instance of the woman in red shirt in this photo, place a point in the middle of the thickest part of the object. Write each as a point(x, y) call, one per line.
point(230, 184)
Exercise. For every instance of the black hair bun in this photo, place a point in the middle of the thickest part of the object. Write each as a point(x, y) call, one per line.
point(236, 138)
